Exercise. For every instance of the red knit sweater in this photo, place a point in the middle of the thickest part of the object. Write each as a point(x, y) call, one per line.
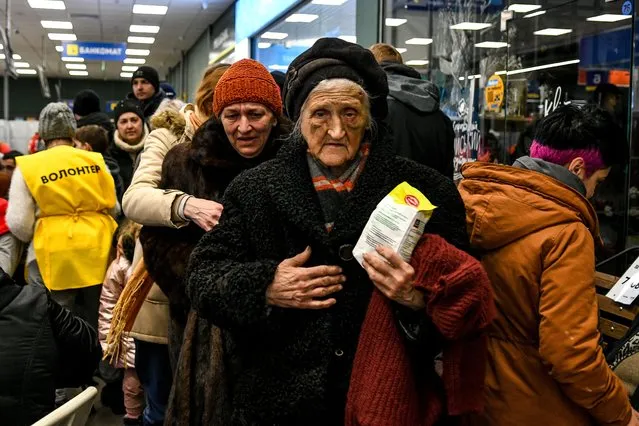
point(386, 389)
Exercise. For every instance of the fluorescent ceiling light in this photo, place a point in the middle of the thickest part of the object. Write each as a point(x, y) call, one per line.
point(329, 2)
point(301, 42)
point(417, 62)
point(539, 67)
point(21, 64)
point(137, 61)
point(26, 71)
point(2, 56)
point(17, 57)
point(57, 25)
point(72, 59)
point(271, 35)
point(149, 9)
point(129, 68)
point(138, 52)
point(79, 73)
point(471, 77)
point(492, 44)
point(62, 37)
point(59, 48)
point(401, 49)
point(301, 17)
point(264, 45)
point(609, 18)
point(349, 38)
point(76, 66)
point(276, 67)
point(148, 29)
point(47, 4)
point(420, 41)
point(142, 40)
point(395, 22)
point(553, 32)
point(523, 8)
point(470, 26)
point(126, 74)
point(532, 15)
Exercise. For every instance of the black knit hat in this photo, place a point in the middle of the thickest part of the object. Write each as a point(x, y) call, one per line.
point(86, 102)
point(149, 74)
point(127, 105)
point(335, 58)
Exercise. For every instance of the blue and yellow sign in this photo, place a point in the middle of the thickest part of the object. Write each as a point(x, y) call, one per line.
point(95, 51)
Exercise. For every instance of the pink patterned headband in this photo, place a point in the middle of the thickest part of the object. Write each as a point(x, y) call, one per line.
point(591, 156)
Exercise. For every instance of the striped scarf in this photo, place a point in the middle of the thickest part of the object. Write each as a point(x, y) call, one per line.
point(332, 191)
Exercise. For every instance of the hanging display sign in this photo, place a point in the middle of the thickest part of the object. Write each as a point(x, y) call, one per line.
point(627, 288)
point(494, 93)
point(95, 51)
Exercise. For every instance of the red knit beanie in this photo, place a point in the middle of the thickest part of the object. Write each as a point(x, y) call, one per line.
point(247, 81)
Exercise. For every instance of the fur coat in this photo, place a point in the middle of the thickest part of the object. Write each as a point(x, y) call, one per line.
point(289, 366)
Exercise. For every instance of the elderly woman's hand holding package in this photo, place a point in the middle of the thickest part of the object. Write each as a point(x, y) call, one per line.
point(310, 336)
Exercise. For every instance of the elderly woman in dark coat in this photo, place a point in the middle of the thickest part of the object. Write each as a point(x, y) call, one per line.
point(311, 337)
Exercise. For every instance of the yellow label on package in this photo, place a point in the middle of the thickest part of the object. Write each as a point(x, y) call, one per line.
point(397, 222)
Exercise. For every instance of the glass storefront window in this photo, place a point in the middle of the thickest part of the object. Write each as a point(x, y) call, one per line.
point(502, 65)
point(278, 45)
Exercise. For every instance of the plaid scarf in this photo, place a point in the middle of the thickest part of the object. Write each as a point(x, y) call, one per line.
point(332, 191)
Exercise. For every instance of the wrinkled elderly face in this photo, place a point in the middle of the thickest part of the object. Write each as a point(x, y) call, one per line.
point(333, 122)
point(248, 126)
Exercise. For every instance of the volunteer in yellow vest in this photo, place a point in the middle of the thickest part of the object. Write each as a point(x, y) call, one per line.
point(63, 203)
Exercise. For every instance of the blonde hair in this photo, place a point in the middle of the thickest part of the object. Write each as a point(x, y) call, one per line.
point(384, 52)
point(206, 90)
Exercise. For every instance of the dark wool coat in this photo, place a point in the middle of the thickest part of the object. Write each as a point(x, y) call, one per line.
point(290, 366)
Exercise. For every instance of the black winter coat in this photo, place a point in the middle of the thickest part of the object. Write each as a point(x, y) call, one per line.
point(421, 131)
point(288, 366)
point(151, 105)
point(100, 119)
point(42, 347)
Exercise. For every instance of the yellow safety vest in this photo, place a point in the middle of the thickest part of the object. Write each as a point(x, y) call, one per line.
point(74, 191)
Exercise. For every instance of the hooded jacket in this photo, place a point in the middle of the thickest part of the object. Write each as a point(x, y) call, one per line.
point(536, 236)
point(149, 106)
point(421, 131)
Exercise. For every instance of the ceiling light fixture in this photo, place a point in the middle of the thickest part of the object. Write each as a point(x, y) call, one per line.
point(264, 45)
point(492, 44)
point(59, 49)
point(523, 8)
point(129, 68)
point(271, 35)
point(126, 74)
point(302, 17)
point(17, 57)
point(348, 38)
point(26, 71)
point(401, 49)
point(21, 64)
point(62, 37)
point(395, 22)
point(72, 59)
point(532, 15)
point(417, 62)
point(141, 40)
point(420, 41)
point(276, 67)
point(76, 66)
point(149, 9)
point(329, 2)
point(79, 73)
point(57, 25)
point(470, 77)
point(147, 29)
point(47, 4)
point(539, 67)
point(553, 32)
point(470, 26)
point(138, 52)
point(608, 17)
point(137, 61)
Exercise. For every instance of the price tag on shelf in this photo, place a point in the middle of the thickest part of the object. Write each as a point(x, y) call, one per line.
point(627, 288)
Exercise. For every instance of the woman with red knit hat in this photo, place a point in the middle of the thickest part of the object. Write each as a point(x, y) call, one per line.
point(311, 337)
point(245, 130)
